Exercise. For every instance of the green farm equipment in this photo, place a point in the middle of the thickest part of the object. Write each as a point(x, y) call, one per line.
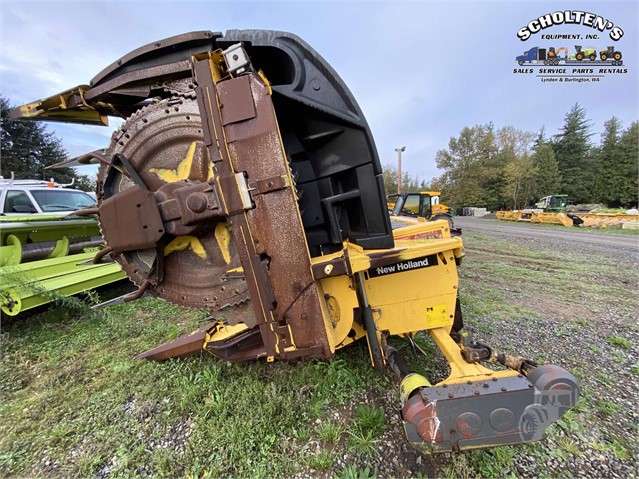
point(581, 53)
point(44, 257)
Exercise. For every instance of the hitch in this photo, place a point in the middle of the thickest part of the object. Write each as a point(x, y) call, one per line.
point(477, 407)
point(477, 352)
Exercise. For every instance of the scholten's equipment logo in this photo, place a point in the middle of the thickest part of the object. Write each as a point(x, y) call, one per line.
point(573, 63)
point(570, 17)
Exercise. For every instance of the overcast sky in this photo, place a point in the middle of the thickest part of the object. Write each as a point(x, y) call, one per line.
point(420, 71)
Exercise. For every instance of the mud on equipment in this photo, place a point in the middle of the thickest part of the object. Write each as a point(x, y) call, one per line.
point(245, 181)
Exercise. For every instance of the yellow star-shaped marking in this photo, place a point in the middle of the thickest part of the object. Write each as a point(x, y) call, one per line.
point(183, 170)
point(183, 242)
point(222, 236)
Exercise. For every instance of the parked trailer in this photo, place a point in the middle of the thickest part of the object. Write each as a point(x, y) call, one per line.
point(575, 62)
point(586, 220)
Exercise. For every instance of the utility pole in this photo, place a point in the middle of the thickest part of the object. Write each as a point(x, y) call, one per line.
point(399, 168)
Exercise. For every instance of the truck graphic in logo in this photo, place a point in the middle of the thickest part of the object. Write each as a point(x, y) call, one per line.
point(561, 56)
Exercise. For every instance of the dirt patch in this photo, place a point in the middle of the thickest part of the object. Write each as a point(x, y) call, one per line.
point(554, 308)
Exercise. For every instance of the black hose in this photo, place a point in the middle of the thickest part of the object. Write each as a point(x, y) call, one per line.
point(397, 362)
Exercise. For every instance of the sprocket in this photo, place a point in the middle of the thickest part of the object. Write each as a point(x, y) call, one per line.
point(164, 143)
point(184, 87)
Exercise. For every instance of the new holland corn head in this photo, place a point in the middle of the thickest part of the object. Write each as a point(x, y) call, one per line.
point(245, 181)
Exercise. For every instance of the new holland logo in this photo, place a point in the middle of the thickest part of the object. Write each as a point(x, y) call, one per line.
point(402, 266)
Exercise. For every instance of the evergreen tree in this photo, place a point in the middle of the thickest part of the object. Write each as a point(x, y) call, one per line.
point(629, 165)
point(489, 168)
point(548, 178)
point(572, 150)
point(541, 138)
point(26, 147)
point(608, 171)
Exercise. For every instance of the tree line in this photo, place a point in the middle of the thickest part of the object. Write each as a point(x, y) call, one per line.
point(27, 147)
point(483, 166)
point(509, 168)
point(409, 182)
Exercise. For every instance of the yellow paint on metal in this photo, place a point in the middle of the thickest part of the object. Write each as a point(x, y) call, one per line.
point(280, 337)
point(357, 332)
point(621, 216)
point(417, 299)
point(215, 59)
point(222, 331)
point(56, 108)
point(590, 219)
point(338, 300)
point(223, 238)
point(509, 215)
point(439, 208)
point(357, 258)
point(333, 310)
point(183, 242)
point(437, 316)
point(266, 82)
point(407, 220)
point(460, 370)
point(401, 297)
point(405, 250)
point(181, 172)
point(552, 218)
point(409, 384)
point(419, 230)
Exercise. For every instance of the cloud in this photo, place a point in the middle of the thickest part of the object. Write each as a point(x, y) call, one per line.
point(420, 71)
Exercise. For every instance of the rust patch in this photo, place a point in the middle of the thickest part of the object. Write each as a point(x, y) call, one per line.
point(160, 137)
point(273, 248)
point(236, 101)
point(183, 346)
point(136, 208)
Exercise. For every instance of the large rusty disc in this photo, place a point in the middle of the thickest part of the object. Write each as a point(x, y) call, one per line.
point(164, 143)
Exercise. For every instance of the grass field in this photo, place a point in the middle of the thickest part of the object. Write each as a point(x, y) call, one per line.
point(75, 404)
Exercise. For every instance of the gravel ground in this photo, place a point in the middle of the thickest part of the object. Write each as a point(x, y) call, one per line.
point(570, 240)
point(549, 295)
point(566, 305)
point(574, 329)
